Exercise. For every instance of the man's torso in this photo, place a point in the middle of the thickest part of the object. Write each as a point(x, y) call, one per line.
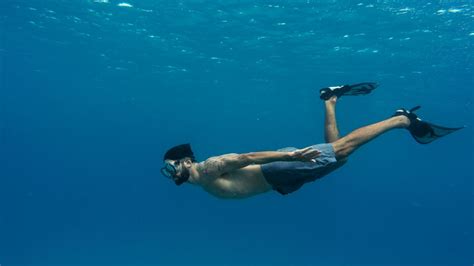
point(241, 183)
point(285, 177)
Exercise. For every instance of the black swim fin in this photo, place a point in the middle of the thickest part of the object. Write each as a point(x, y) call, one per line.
point(424, 132)
point(348, 90)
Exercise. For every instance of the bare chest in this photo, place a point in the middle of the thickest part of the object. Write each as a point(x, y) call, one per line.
point(241, 183)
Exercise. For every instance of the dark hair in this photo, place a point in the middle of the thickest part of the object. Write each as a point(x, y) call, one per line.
point(180, 152)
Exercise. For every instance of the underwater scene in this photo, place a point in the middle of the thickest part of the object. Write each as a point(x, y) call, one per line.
point(99, 100)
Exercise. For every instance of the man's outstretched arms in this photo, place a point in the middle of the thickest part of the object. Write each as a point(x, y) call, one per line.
point(229, 162)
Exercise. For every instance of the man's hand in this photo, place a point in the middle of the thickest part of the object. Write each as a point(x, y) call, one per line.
point(305, 155)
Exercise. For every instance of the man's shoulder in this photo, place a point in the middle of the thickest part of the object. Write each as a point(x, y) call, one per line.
point(207, 166)
point(216, 165)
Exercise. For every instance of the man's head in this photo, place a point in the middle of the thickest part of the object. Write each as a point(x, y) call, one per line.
point(178, 161)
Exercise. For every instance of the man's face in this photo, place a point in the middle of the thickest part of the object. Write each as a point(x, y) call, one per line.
point(176, 170)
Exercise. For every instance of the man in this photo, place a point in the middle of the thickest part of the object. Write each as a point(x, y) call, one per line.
point(286, 170)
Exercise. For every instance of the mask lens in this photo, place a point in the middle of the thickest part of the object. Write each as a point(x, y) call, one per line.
point(165, 173)
point(168, 170)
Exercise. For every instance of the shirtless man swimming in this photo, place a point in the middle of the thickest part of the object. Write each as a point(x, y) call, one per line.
point(234, 176)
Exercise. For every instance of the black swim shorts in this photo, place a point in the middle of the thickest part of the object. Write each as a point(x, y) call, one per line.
point(286, 177)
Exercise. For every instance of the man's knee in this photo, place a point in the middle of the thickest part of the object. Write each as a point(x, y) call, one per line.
point(342, 149)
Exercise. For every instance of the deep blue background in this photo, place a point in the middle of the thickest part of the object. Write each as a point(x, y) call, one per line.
point(93, 93)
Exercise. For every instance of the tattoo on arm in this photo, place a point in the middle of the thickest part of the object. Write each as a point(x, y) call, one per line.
point(215, 165)
point(225, 163)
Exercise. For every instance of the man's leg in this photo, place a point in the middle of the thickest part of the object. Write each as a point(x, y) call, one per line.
point(348, 144)
point(331, 133)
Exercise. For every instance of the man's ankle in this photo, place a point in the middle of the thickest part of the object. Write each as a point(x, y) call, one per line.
point(402, 121)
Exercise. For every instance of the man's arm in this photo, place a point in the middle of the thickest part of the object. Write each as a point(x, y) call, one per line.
point(229, 162)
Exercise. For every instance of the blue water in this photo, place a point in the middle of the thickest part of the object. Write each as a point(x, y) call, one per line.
point(94, 92)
